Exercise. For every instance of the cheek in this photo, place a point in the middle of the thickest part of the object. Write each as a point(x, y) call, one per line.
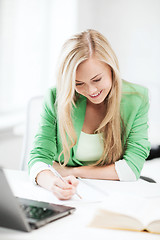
point(78, 90)
point(108, 84)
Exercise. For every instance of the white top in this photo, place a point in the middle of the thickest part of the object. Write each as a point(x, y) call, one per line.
point(89, 150)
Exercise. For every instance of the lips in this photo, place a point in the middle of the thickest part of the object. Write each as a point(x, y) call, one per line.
point(95, 95)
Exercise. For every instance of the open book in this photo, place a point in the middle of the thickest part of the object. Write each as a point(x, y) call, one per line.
point(128, 214)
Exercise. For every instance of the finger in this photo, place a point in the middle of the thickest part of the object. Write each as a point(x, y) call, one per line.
point(72, 180)
point(62, 184)
point(63, 194)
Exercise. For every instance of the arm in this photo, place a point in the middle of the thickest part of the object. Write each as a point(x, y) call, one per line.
point(138, 146)
point(104, 172)
point(118, 171)
point(44, 153)
point(95, 172)
point(44, 146)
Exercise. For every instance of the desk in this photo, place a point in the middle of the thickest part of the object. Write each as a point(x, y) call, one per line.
point(75, 225)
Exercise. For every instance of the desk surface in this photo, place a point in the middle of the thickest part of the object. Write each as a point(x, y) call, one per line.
point(75, 225)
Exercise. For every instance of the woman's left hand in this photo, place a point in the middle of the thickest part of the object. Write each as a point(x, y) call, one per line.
point(63, 171)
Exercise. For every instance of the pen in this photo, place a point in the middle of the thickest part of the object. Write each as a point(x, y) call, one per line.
point(59, 176)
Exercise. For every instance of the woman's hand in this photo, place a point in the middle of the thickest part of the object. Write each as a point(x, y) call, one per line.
point(62, 190)
point(64, 171)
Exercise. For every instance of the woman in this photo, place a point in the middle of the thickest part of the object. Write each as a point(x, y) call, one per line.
point(94, 124)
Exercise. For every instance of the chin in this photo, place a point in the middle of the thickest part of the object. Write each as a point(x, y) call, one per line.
point(96, 102)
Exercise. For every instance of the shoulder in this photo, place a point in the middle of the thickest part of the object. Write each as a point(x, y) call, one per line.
point(50, 95)
point(49, 102)
point(133, 94)
point(134, 100)
point(132, 88)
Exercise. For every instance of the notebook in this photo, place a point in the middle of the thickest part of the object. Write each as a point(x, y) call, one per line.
point(24, 214)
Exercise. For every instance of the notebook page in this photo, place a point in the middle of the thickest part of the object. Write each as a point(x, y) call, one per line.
point(26, 189)
point(143, 209)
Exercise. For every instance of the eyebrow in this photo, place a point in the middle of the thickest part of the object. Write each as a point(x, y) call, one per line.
point(92, 77)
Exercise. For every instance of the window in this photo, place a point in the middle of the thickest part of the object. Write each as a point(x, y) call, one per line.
point(31, 35)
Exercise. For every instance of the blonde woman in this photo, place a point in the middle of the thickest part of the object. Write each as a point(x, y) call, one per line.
point(93, 124)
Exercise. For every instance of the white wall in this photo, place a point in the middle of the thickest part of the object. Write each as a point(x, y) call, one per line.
point(133, 29)
point(31, 34)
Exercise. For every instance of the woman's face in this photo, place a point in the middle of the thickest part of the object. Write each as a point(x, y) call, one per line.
point(93, 80)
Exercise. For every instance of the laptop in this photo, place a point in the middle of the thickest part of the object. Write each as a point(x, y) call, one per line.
point(24, 214)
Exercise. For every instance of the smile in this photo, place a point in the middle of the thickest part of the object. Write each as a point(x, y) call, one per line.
point(95, 95)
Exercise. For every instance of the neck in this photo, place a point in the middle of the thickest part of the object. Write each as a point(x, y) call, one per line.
point(99, 106)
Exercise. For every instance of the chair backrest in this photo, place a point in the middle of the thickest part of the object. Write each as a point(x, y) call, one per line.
point(32, 122)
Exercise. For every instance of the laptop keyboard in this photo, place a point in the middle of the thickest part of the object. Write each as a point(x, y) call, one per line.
point(37, 212)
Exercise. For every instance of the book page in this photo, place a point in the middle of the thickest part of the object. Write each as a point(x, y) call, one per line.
point(154, 226)
point(145, 210)
point(113, 220)
point(150, 211)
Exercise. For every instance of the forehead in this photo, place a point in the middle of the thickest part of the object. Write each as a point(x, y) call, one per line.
point(90, 68)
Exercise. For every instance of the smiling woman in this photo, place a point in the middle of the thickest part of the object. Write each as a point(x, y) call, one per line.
point(94, 124)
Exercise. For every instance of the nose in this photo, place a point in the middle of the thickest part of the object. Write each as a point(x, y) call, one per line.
point(91, 89)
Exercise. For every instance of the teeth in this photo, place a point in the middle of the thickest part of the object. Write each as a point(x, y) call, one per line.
point(95, 95)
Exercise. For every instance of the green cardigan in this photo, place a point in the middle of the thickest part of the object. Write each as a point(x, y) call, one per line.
point(134, 111)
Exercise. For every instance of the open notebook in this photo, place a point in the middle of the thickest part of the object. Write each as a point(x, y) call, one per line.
point(91, 190)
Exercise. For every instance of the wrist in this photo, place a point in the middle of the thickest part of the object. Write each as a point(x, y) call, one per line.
point(76, 172)
point(45, 179)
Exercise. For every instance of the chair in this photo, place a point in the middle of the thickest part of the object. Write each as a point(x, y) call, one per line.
point(32, 120)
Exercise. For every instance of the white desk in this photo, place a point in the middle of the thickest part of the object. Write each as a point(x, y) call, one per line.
point(75, 225)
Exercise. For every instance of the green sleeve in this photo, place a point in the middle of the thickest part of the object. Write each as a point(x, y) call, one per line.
point(138, 146)
point(45, 147)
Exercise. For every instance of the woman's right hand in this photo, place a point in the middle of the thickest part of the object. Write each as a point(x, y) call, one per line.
point(62, 190)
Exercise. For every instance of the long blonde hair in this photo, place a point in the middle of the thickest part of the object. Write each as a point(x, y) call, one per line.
point(76, 50)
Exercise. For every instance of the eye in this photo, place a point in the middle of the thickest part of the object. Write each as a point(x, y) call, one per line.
point(97, 80)
point(79, 84)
